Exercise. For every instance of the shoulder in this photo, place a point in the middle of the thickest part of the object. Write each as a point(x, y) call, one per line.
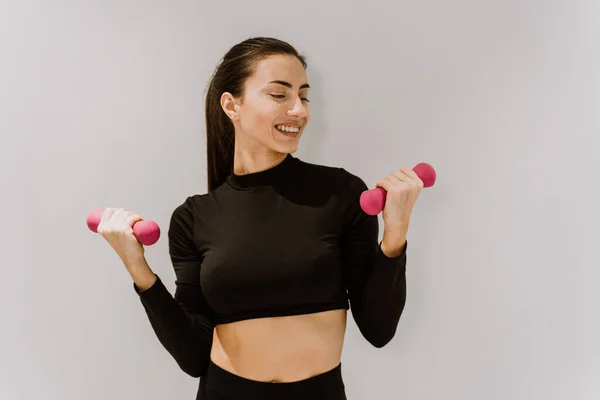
point(336, 172)
point(185, 210)
point(351, 181)
point(187, 216)
point(335, 180)
point(337, 176)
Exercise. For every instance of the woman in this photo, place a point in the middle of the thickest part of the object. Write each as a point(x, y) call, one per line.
point(268, 262)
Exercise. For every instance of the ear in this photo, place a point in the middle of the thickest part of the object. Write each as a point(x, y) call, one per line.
point(230, 105)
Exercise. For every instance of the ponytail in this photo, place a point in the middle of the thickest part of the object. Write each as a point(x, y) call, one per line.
point(219, 139)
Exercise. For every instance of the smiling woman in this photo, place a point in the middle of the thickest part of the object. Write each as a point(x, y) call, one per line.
point(268, 116)
point(270, 259)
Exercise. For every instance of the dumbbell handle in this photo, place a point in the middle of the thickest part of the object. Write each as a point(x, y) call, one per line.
point(372, 201)
point(146, 232)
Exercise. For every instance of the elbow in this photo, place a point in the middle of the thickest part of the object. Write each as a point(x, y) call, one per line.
point(378, 344)
point(193, 360)
point(381, 331)
point(194, 367)
point(379, 328)
point(380, 339)
point(194, 372)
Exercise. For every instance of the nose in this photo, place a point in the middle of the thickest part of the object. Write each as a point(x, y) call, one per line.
point(298, 109)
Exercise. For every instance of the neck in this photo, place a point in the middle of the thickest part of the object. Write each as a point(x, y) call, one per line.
point(256, 169)
point(248, 161)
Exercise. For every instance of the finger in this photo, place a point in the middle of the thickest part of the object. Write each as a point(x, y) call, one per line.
point(107, 214)
point(382, 183)
point(412, 177)
point(387, 184)
point(400, 176)
point(112, 219)
point(122, 216)
point(132, 218)
point(105, 219)
point(129, 218)
point(119, 215)
point(412, 174)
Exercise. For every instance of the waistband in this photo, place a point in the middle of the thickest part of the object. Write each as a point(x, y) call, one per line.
point(328, 385)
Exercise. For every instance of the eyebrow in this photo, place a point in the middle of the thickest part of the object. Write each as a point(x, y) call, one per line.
point(287, 84)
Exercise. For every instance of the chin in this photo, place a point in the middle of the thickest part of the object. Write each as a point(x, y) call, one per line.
point(287, 148)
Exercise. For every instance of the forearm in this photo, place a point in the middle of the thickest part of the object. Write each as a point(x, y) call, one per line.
point(141, 273)
point(379, 302)
point(393, 245)
point(394, 238)
point(186, 336)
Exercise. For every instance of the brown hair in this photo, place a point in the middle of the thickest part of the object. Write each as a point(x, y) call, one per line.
point(230, 76)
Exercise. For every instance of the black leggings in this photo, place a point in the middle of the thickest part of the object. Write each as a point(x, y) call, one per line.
point(219, 384)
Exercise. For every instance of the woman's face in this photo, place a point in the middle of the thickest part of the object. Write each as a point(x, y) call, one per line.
point(274, 110)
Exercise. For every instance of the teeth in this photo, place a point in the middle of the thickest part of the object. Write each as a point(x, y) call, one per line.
point(285, 128)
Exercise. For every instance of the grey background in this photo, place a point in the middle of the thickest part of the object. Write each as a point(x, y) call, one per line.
point(101, 105)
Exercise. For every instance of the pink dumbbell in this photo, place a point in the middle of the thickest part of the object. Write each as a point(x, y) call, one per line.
point(145, 231)
point(372, 201)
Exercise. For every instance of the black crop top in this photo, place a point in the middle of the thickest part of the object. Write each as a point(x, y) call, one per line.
point(289, 240)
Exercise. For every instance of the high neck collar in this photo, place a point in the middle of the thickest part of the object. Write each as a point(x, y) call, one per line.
point(270, 176)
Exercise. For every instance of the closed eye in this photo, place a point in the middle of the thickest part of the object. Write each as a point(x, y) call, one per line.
point(282, 96)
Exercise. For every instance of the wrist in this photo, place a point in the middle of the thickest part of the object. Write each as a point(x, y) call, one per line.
point(135, 262)
point(393, 247)
point(140, 272)
point(395, 234)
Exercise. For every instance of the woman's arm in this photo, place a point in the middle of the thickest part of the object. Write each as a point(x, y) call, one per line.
point(183, 322)
point(376, 282)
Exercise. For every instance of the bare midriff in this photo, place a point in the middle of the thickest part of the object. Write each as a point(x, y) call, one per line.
point(281, 349)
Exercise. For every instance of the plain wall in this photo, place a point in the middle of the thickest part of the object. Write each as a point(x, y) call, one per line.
point(101, 105)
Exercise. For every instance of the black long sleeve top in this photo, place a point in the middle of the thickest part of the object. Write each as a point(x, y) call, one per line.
point(288, 240)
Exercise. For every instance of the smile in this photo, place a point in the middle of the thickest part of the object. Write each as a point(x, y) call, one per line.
point(287, 129)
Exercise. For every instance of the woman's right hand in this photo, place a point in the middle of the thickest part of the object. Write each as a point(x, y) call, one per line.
point(116, 226)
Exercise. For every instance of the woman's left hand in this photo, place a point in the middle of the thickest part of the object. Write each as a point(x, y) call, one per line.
point(403, 188)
